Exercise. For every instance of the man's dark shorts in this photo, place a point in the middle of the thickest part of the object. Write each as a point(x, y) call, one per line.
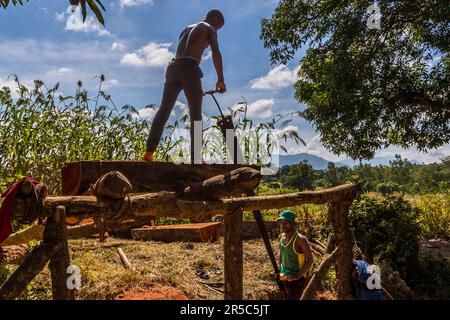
point(294, 289)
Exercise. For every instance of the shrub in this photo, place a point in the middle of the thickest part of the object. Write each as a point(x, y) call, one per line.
point(433, 281)
point(388, 187)
point(434, 219)
point(386, 228)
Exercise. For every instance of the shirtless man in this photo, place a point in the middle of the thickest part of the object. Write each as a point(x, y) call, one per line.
point(184, 73)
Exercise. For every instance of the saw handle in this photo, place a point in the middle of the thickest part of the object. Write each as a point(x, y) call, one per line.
point(211, 92)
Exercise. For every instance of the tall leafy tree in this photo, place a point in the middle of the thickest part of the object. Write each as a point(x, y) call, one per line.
point(301, 176)
point(95, 5)
point(367, 87)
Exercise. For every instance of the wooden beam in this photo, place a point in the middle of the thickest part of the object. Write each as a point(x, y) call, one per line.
point(325, 264)
point(55, 232)
point(13, 254)
point(233, 251)
point(167, 204)
point(144, 176)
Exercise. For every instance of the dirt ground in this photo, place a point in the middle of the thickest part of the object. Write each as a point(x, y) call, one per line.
point(153, 293)
point(161, 271)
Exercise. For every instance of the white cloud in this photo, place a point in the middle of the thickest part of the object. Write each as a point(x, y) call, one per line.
point(314, 146)
point(152, 55)
point(110, 83)
point(207, 55)
point(117, 46)
point(134, 3)
point(60, 16)
point(12, 85)
point(60, 71)
point(260, 108)
point(149, 113)
point(75, 22)
point(279, 77)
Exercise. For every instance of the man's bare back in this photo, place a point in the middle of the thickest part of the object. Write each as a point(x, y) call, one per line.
point(194, 40)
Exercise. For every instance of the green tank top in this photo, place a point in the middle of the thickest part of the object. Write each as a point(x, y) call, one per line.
point(291, 260)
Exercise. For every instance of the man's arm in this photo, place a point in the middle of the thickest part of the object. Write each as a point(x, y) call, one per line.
point(217, 59)
point(302, 244)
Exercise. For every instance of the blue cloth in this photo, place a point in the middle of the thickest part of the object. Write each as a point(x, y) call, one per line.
point(363, 293)
point(362, 267)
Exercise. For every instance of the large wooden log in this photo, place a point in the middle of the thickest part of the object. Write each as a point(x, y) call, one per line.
point(195, 232)
point(234, 183)
point(233, 252)
point(167, 204)
point(144, 176)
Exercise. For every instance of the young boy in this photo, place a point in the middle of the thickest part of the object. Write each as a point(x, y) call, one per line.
point(295, 256)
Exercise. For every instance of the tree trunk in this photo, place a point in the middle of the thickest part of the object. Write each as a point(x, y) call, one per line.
point(77, 177)
point(234, 183)
point(339, 218)
point(234, 265)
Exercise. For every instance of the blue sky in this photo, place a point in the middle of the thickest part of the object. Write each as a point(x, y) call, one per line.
point(42, 40)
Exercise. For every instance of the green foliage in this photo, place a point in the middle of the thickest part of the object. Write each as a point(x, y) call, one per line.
point(434, 219)
point(4, 273)
point(388, 187)
point(399, 176)
point(300, 176)
point(171, 221)
point(257, 140)
point(434, 279)
point(386, 228)
point(41, 132)
point(365, 88)
point(95, 5)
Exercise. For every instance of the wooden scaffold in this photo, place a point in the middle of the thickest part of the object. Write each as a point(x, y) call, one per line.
point(156, 189)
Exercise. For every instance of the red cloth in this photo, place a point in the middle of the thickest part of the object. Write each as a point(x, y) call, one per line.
point(6, 209)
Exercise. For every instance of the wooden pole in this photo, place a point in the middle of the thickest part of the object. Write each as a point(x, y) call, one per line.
point(31, 266)
point(234, 263)
point(325, 264)
point(56, 232)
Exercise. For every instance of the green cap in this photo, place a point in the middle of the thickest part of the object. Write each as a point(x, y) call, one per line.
point(287, 215)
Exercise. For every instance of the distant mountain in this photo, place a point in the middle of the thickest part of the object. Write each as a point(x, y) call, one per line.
point(318, 163)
